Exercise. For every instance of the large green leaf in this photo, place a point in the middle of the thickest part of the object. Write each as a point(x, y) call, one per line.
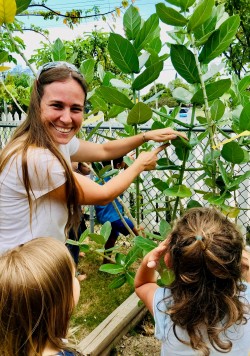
point(164, 228)
point(145, 244)
point(185, 4)
point(132, 255)
point(111, 268)
point(180, 191)
point(123, 54)
point(214, 91)
point(3, 56)
point(59, 51)
point(114, 96)
point(158, 183)
point(140, 114)
point(99, 239)
point(244, 121)
point(21, 5)
point(149, 75)
point(87, 69)
point(217, 110)
point(106, 230)
point(114, 111)
point(232, 152)
point(184, 63)
point(98, 103)
point(201, 14)
point(170, 16)
point(131, 22)
point(205, 30)
point(244, 84)
point(7, 11)
point(118, 281)
point(220, 39)
point(147, 33)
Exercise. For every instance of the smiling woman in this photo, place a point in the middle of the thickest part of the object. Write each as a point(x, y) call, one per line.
point(37, 183)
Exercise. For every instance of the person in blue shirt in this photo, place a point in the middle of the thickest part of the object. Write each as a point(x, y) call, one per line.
point(108, 213)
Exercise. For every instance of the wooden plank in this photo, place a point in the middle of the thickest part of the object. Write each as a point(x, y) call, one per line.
point(101, 340)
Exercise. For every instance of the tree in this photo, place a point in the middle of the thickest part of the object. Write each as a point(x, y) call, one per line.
point(238, 53)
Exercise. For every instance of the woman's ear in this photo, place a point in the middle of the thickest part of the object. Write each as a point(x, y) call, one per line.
point(167, 260)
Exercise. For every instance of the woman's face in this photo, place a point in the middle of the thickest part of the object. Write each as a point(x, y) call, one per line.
point(62, 107)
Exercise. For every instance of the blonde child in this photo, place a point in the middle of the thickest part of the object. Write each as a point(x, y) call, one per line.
point(38, 292)
point(206, 309)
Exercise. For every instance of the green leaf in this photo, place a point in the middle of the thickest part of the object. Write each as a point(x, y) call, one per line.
point(131, 22)
point(220, 40)
point(59, 51)
point(4, 56)
point(214, 199)
point(149, 75)
point(111, 268)
point(182, 95)
point(184, 63)
point(167, 277)
point(114, 111)
point(84, 235)
point(98, 103)
point(114, 96)
point(123, 54)
point(244, 84)
point(193, 204)
point(159, 184)
point(87, 69)
point(185, 4)
point(201, 14)
point(223, 173)
point(130, 276)
point(170, 16)
point(132, 256)
point(239, 180)
point(7, 11)
point(140, 114)
point(244, 120)
point(164, 228)
point(106, 230)
point(148, 31)
point(217, 110)
point(118, 281)
point(145, 244)
point(214, 91)
point(232, 152)
point(180, 191)
point(99, 239)
point(21, 5)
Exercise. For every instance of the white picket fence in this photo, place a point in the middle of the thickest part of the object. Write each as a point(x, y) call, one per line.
point(9, 117)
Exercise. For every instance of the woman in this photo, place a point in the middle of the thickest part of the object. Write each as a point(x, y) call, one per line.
point(39, 193)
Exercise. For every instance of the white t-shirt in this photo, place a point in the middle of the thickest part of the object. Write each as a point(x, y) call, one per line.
point(48, 216)
point(238, 334)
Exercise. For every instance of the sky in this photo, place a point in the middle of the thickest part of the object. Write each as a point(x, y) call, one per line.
point(59, 30)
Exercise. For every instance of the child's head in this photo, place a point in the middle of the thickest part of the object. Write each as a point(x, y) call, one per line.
point(205, 243)
point(205, 251)
point(118, 163)
point(36, 296)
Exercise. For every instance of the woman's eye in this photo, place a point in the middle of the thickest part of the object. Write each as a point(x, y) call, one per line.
point(76, 109)
point(57, 106)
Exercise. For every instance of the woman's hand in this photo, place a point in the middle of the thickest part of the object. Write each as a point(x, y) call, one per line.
point(149, 159)
point(162, 135)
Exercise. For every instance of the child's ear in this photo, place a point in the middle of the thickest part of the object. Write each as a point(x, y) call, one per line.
point(167, 260)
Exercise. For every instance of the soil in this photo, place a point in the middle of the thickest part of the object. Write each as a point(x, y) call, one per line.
point(140, 341)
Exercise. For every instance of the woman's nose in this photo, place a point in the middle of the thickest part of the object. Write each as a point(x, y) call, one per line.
point(66, 117)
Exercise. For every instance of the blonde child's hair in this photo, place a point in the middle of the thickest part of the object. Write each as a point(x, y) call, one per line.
point(36, 297)
point(205, 254)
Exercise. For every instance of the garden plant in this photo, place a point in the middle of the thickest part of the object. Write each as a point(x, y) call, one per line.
point(219, 101)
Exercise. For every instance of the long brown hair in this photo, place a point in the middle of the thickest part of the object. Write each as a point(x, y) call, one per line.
point(36, 297)
point(205, 254)
point(32, 132)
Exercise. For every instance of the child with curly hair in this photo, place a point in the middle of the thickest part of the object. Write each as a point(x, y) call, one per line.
point(206, 309)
